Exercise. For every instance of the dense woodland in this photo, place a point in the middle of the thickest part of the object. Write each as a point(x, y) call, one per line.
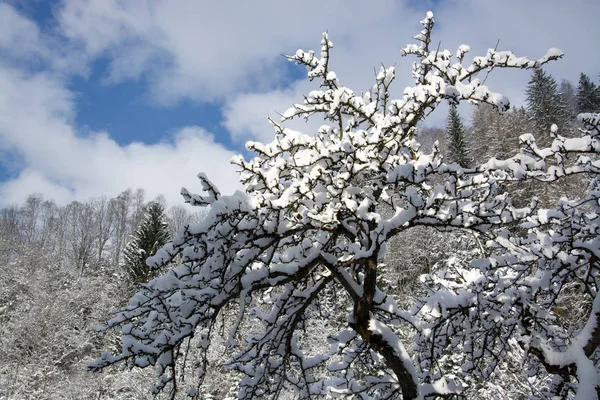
point(66, 268)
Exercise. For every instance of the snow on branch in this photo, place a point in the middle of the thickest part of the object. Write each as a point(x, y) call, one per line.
point(208, 186)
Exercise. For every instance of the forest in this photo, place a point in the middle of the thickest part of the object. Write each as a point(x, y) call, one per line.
point(64, 269)
point(378, 258)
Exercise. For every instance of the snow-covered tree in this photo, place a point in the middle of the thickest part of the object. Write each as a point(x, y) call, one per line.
point(544, 103)
point(588, 95)
point(496, 134)
point(568, 95)
point(150, 236)
point(308, 236)
point(49, 310)
point(516, 297)
point(458, 148)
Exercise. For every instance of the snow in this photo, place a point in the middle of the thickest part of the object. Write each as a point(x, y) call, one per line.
point(388, 336)
point(551, 54)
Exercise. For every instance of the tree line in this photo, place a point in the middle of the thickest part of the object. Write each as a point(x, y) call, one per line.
point(495, 134)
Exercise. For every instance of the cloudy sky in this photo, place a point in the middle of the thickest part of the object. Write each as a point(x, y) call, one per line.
point(97, 96)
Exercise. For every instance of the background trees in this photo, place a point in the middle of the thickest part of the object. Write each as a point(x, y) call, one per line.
point(588, 95)
point(568, 95)
point(495, 134)
point(50, 306)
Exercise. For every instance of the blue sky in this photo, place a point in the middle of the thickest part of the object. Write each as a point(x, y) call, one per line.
point(100, 95)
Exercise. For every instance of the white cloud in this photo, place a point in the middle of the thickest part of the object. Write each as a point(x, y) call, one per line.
point(22, 43)
point(209, 50)
point(19, 36)
point(245, 115)
point(36, 122)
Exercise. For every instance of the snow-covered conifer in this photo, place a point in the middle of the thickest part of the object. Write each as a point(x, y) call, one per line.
point(458, 148)
point(150, 236)
point(588, 95)
point(544, 103)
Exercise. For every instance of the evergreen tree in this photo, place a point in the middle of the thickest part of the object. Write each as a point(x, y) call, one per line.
point(588, 95)
point(544, 103)
point(458, 151)
point(150, 236)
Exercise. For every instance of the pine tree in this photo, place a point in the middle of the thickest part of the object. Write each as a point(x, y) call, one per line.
point(458, 151)
point(150, 236)
point(588, 95)
point(544, 103)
